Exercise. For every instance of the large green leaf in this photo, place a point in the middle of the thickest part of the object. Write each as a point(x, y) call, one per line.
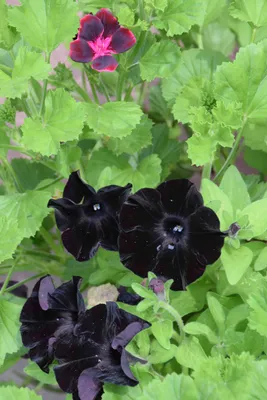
point(258, 311)
point(250, 11)
point(15, 393)
point(63, 120)
point(27, 64)
point(49, 22)
point(33, 370)
point(257, 219)
point(9, 329)
point(236, 262)
point(159, 61)
point(10, 236)
point(8, 35)
point(115, 119)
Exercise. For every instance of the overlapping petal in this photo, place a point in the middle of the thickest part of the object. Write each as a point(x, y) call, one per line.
point(110, 23)
point(105, 64)
point(80, 51)
point(91, 28)
point(122, 40)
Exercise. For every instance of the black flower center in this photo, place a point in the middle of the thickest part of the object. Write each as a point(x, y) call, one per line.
point(173, 230)
point(96, 207)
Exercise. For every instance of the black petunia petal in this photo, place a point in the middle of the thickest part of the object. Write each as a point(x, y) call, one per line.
point(88, 384)
point(46, 315)
point(180, 197)
point(21, 291)
point(77, 190)
point(127, 297)
point(141, 210)
point(205, 239)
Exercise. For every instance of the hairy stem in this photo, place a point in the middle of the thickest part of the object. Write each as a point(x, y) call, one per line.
point(103, 87)
point(51, 183)
point(206, 171)
point(45, 82)
point(82, 93)
point(48, 238)
point(93, 88)
point(9, 274)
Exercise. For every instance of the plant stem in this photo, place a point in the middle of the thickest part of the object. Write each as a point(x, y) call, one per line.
point(94, 92)
point(84, 95)
point(206, 171)
point(31, 278)
point(231, 156)
point(120, 85)
point(128, 93)
point(176, 316)
point(50, 241)
point(103, 87)
point(10, 272)
point(42, 254)
point(10, 171)
point(42, 105)
point(253, 34)
point(51, 183)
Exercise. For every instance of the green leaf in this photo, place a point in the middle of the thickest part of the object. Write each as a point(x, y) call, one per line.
point(236, 262)
point(255, 135)
point(28, 209)
point(33, 370)
point(217, 312)
point(190, 353)
point(179, 16)
point(115, 119)
point(257, 217)
point(8, 35)
point(233, 81)
point(245, 10)
point(12, 359)
point(10, 237)
point(159, 354)
point(157, 4)
point(258, 311)
point(256, 159)
point(197, 328)
point(63, 120)
point(15, 393)
point(163, 330)
point(261, 261)
point(212, 10)
point(30, 173)
point(212, 193)
point(125, 15)
point(173, 386)
point(235, 188)
point(218, 37)
point(144, 292)
point(139, 138)
point(46, 28)
point(147, 174)
point(27, 64)
point(9, 329)
point(68, 158)
point(159, 61)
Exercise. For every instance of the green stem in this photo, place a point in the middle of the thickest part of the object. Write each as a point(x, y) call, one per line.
point(253, 34)
point(42, 254)
point(94, 92)
point(120, 85)
point(176, 316)
point(103, 87)
point(206, 171)
point(48, 238)
point(51, 183)
point(128, 93)
point(31, 278)
point(231, 156)
point(10, 171)
point(9, 274)
point(45, 82)
point(84, 95)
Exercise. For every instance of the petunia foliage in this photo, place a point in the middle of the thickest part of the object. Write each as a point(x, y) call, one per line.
point(133, 199)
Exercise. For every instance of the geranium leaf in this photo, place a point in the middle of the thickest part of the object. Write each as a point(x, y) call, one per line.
point(218, 37)
point(9, 329)
point(159, 61)
point(179, 16)
point(236, 262)
point(139, 138)
point(115, 119)
point(35, 372)
point(49, 22)
point(63, 120)
point(27, 64)
point(245, 10)
point(8, 35)
point(10, 237)
point(14, 393)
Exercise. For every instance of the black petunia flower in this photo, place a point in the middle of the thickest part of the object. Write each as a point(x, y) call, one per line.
point(47, 314)
point(88, 219)
point(168, 231)
point(96, 353)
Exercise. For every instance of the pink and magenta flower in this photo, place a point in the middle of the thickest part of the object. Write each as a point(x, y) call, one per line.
point(99, 37)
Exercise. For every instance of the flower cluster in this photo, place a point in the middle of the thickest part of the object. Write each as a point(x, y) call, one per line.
point(166, 230)
point(88, 345)
point(98, 38)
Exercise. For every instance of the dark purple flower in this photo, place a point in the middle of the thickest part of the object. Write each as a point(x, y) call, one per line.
point(88, 219)
point(96, 353)
point(127, 297)
point(47, 314)
point(99, 37)
point(168, 231)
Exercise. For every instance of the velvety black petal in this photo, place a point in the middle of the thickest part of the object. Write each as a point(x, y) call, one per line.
point(93, 324)
point(125, 336)
point(114, 196)
point(21, 291)
point(76, 189)
point(66, 213)
point(141, 210)
point(88, 384)
point(91, 28)
point(109, 233)
point(138, 250)
point(82, 241)
point(205, 239)
point(122, 40)
point(67, 297)
point(109, 22)
point(180, 197)
point(127, 297)
point(125, 366)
